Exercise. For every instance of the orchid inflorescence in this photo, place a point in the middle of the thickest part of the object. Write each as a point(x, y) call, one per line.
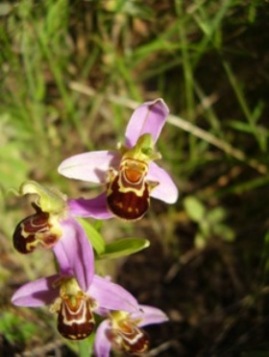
point(76, 294)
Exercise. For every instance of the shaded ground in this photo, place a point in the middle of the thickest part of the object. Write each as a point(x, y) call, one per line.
point(216, 298)
point(210, 314)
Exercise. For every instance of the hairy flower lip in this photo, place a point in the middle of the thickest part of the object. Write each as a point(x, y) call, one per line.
point(74, 309)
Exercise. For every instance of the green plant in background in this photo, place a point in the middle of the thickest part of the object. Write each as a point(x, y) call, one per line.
point(211, 222)
point(11, 326)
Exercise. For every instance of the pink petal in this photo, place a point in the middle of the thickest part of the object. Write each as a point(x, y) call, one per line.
point(75, 253)
point(166, 190)
point(102, 345)
point(89, 166)
point(147, 118)
point(111, 296)
point(36, 293)
point(92, 207)
point(150, 315)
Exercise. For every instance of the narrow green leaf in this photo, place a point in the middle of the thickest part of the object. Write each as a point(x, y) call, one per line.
point(94, 236)
point(124, 247)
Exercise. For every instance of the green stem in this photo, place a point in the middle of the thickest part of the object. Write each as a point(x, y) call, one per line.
point(83, 347)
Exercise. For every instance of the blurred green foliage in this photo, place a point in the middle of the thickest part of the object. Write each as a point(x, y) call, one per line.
point(210, 222)
point(11, 327)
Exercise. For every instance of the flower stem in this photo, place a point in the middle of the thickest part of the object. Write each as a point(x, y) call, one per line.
point(83, 348)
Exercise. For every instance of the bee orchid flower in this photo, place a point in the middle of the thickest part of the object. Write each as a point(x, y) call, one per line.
point(130, 175)
point(51, 222)
point(123, 331)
